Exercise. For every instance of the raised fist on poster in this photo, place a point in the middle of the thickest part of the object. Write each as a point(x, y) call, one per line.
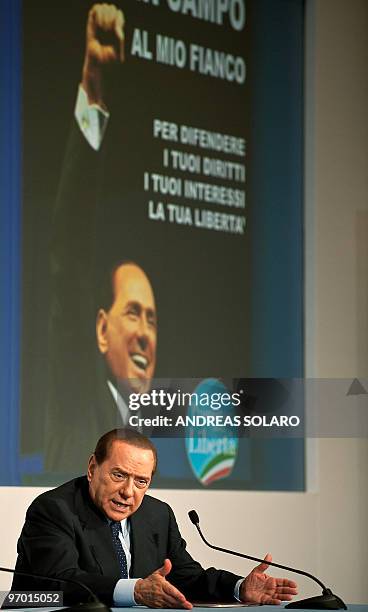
point(104, 49)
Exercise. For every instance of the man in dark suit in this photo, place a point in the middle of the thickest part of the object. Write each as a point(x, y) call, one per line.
point(105, 532)
point(89, 374)
point(102, 319)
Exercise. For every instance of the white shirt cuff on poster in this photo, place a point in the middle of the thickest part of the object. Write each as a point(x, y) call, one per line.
point(91, 119)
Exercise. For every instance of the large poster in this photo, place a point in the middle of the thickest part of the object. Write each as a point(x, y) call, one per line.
point(161, 229)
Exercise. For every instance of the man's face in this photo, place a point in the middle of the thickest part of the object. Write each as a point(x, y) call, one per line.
point(127, 333)
point(118, 485)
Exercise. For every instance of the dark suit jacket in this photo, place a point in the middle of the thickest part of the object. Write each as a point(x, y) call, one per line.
point(66, 536)
point(80, 407)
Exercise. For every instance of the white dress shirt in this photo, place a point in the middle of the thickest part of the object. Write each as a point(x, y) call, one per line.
point(124, 589)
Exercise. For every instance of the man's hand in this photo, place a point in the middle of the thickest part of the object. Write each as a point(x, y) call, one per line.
point(157, 592)
point(104, 49)
point(260, 588)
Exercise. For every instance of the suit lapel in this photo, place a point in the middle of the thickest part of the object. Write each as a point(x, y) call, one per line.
point(144, 543)
point(97, 534)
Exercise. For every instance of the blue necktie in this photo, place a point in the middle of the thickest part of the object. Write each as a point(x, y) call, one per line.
point(115, 527)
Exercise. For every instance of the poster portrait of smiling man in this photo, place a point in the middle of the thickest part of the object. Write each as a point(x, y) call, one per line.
point(148, 174)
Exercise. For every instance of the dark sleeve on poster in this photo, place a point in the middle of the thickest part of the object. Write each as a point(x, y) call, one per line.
point(71, 329)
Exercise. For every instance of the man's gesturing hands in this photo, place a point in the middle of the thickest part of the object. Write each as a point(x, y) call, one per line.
point(157, 592)
point(260, 588)
point(104, 48)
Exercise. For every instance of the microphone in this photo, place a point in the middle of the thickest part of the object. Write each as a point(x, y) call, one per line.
point(326, 601)
point(93, 606)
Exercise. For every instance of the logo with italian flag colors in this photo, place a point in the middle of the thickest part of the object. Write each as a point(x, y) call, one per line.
point(211, 449)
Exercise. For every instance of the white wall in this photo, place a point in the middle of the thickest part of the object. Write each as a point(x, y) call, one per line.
point(325, 529)
point(337, 272)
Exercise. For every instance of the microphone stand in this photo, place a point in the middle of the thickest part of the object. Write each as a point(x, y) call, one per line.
point(326, 601)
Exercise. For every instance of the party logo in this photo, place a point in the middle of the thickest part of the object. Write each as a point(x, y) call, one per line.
point(212, 437)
